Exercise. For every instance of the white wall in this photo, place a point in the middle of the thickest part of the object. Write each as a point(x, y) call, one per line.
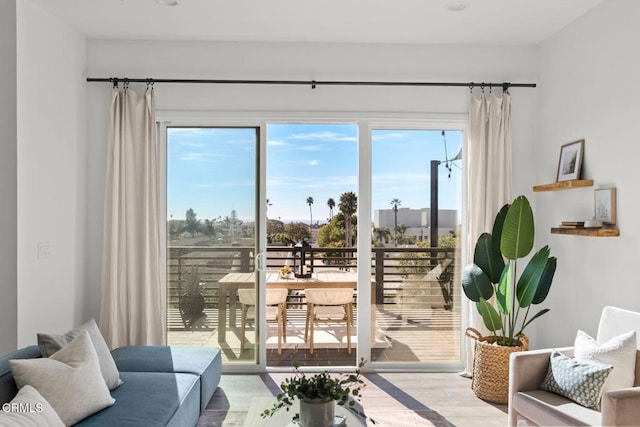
point(137, 59)
point(52, 147)
point(8, 178)
point(588, 89)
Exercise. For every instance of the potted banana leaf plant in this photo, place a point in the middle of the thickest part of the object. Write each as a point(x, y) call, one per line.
point(503, 299)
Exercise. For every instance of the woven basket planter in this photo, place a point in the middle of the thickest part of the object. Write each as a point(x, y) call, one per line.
point(490, 380)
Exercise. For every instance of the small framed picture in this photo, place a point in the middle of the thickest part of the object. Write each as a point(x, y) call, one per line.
point(570, 163)
point(605, 205)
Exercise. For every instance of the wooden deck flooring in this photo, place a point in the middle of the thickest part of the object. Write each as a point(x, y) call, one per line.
point(418, 335)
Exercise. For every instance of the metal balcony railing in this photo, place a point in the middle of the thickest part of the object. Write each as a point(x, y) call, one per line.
point(389, 266)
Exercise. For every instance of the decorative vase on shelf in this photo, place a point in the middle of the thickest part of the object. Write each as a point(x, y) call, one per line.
point(317, 412)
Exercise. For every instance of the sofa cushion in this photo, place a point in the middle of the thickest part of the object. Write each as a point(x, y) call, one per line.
point(151, 399)
point(70, 380)
point(8, 388)
point(203, 361)
point(579, 381)
point(50, 343)
point(619, 352)
point(549, 409)
point(29, 408)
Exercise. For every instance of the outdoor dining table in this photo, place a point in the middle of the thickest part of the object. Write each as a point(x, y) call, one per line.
point(229, 285)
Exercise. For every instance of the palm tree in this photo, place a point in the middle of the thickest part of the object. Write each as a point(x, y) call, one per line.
point(310, 202)
point(382, 234)
point(401, 229)
point(395, 203)
point(332, 204)
point(348, 206)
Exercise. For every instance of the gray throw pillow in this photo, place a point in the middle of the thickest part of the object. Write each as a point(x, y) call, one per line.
point(580, 381)
point(70, 380)
point(29, 408)
point(50, 343)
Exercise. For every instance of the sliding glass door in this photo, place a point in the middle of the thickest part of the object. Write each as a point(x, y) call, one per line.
point(211, 237)
point(416, 199)
point(304, 204)
point(311, 208)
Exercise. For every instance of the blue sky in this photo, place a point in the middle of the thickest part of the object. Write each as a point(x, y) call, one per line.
point(212, 170)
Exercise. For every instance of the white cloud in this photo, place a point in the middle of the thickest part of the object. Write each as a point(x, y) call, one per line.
point(313, 163)
point(191, 144)
point(199, 157)
point(275, 143)
point(378, 136)
point(325, 136)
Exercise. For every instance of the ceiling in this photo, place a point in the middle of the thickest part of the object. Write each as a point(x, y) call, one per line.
point(512, 22)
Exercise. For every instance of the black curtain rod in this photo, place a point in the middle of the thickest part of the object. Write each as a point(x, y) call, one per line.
point(312, 83)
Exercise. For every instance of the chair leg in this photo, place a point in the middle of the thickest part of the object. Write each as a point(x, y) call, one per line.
point(245, 309)
point(348, 318)
point(306, 323)
point(311, 320)
point(284, 322)
point(279, 322)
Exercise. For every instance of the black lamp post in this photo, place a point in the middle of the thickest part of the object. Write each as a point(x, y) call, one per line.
point(300, 259)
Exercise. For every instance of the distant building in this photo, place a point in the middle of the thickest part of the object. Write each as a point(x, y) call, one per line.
point(418, 221)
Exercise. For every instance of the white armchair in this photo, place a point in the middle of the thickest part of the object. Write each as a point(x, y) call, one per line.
point(530, 406)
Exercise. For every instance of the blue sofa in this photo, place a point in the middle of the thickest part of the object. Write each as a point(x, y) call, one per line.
point(162, 385)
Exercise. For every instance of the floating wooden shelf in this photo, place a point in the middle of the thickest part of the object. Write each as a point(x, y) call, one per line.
point(564, 185)
point(595, 232)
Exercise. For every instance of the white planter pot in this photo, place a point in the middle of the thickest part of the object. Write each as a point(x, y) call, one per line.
point(317, 413)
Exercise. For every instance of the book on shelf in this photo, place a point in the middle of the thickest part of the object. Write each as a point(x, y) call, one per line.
point(573, 223)
point(570, 226)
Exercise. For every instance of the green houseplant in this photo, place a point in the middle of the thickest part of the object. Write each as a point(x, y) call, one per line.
point(321, 388)
point(511, 239)
point(191, 298)
point(503, 299)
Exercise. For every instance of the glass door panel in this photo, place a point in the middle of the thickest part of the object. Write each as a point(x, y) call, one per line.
point(211, 238)
point(416, 211)
point(311, 184)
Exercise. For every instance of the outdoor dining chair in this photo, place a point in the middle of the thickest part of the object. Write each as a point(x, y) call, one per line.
point(276, 307)
point(332, 305)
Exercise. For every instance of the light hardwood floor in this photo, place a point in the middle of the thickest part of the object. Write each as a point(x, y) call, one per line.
point(392, 399)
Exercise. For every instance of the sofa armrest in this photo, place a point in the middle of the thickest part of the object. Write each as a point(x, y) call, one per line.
point(621, 407)
point(527, 370)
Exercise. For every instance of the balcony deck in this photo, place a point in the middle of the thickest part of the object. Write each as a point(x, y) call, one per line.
point(403, 335)
point(412, 324)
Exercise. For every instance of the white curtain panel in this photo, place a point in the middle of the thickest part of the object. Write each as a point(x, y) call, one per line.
point(489, 178)
point(132, 308)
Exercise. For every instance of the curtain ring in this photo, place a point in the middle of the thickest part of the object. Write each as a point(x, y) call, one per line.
point(126, 83)
point(115, 82)
point(471, 87)
point(482, 87)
